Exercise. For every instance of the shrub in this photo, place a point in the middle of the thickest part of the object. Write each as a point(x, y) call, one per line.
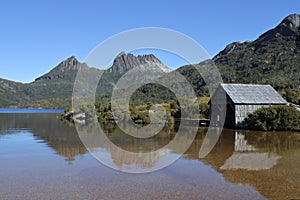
point(273, 118)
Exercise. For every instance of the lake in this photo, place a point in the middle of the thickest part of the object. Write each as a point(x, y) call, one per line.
point(43, 158)
point(30, 110)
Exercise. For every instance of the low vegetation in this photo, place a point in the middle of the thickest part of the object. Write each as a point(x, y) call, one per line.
point(273, 118)
point(139, 113)
point(49, 103)
point(292, 96)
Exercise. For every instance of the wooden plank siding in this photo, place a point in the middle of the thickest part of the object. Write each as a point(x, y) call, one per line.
point(242, 99)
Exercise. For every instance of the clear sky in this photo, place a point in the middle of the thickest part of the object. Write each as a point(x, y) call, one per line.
point(36, 35)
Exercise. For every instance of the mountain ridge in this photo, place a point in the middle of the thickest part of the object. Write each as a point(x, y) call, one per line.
point(58, 82)
point(124, 62)
point(288, 26)
point(69, 64)
point(272, 58)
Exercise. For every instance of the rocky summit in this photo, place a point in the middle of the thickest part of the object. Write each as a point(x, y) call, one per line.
point(273, 58)
point(124, 62)
point(289, 27)
point(292, 21)
point(63, 69)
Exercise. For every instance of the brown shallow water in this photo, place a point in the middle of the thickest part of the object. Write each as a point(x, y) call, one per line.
point(42, 158)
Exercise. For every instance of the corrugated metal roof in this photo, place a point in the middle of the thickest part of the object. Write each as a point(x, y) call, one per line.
point(253, 94)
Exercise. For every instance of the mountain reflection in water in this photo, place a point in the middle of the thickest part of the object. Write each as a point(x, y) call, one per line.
point(268, 161)
point(45, 127)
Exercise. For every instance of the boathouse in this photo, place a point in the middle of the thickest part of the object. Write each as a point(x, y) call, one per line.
point(241, 99)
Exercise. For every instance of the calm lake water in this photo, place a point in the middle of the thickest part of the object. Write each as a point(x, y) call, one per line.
point(30, 110)
point(43, 158)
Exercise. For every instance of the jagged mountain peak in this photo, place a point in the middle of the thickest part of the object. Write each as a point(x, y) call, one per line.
point(71, 59)
point(68, 65)
point(287, 29)
point(124, 62)
point(291, 21)
point(272, 58)
point(149, 57)
point(122, 53)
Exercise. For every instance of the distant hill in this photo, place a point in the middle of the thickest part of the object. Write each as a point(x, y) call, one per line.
point(12, 92)
point(58, 83)
point(273, 58)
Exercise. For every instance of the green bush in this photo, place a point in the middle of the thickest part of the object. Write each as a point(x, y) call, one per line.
point(292, 95)
point(273, 118)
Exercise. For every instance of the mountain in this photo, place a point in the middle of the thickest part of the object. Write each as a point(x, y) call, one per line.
point(64, 70)
point(124, 62)
point(11, 92)
point(273, 58)
point(58, 83)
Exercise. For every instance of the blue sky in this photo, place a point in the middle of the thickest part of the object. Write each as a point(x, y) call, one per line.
point(36, 35)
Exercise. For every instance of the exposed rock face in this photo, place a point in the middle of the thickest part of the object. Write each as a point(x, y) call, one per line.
point(292, 21)
point(289, 27)
point(124, 62)
point(70, 64)
point(232, 47)
point(273, 58)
